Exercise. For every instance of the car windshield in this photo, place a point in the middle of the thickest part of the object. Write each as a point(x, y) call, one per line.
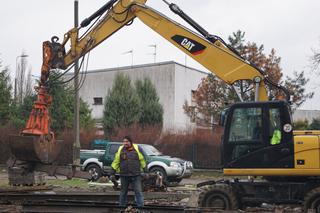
point(150, 150)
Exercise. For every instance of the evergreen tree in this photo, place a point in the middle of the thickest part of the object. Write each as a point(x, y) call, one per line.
point(20, 112)
point(151, 109)
point(62, 108)
point(5, 95)
point(122, 105)
point(315, 124)
point(301, 124)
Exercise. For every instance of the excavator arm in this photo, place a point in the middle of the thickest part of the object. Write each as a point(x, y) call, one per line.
point(209, 50)
point(55, 56)
point(212, 53)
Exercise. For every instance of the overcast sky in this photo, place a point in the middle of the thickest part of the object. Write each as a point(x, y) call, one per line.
point(291, 27)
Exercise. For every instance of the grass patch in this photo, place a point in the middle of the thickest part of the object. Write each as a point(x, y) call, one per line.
point(4, 183)
point(75, 182)
point(207, 174)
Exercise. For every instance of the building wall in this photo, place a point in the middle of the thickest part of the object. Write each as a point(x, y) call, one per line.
point(186, 80)
point(172, 81)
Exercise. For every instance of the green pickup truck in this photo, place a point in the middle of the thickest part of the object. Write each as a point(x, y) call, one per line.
point(98, 162)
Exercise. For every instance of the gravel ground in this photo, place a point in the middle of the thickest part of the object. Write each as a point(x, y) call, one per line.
point(186, 186)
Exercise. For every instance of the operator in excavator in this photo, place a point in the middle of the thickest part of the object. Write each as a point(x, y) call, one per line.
point(275, 127)
point(257, 131)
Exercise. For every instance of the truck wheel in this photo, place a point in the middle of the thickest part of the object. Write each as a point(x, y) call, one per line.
point(312, 200)
point(220, 196)
point(95, 171)
point(161, 172)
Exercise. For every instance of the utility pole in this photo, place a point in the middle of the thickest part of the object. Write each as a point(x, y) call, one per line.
point(76, 143)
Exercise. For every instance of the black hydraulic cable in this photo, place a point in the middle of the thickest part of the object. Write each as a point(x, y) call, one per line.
point(53, 81)
point(59, 76)
point(122, 12)
point(77, 73)
point(85, 33)
point(99, 12)
point(81, 79)
point(127, 14)
point(129, 23)
point(84, 75)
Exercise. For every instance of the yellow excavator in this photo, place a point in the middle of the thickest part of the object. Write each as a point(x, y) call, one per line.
point(258, 137)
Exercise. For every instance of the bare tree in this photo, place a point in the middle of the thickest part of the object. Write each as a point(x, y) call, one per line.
point(23, 82)
point(213, 94)
point(315, 60)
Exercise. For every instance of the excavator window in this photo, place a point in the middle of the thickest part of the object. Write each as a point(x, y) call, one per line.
point(246, 125)
point(245, 131)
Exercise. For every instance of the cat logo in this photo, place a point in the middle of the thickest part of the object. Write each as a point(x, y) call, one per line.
point(187, 44)
point(194, 47)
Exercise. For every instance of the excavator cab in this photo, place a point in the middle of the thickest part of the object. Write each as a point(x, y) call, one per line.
point(258, 135)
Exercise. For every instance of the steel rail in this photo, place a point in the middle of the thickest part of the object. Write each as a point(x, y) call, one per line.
point(91, 202)
point(86, 207)
point(12, 198)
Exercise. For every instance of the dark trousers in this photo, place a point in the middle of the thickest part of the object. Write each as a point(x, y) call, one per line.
point(137, 187)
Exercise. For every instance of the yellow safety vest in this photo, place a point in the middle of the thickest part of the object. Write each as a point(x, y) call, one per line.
point(116, 162)
point(276, 137)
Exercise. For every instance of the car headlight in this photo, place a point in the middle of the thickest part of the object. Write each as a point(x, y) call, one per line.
point(189, 164)
point(175, 164)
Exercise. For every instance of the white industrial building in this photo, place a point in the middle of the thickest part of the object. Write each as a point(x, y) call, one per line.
point(308, 115)
point(174, 83)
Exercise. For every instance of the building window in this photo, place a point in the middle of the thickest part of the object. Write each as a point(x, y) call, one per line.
point(193, 97)
point(97, 101)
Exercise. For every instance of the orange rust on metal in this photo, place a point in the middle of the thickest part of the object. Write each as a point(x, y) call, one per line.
point(46, 61)
point(34, 148)
point(39, 121)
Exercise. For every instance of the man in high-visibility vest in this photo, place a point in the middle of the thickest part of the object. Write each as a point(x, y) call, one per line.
point(129, 163)
point(276, 137)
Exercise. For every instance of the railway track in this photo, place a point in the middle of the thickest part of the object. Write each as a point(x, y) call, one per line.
point(97, 208)
point(90, 202)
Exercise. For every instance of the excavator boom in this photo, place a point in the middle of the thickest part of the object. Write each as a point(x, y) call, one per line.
point(209, 50)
